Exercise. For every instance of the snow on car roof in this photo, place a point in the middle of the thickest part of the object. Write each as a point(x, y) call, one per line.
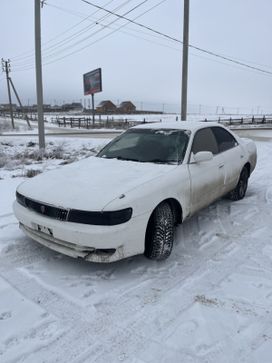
point(179, 125)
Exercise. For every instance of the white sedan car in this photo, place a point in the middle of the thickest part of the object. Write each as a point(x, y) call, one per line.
point(127, 199)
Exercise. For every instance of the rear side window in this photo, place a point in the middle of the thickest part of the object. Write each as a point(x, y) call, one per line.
point(205, 141)
point(224, 139)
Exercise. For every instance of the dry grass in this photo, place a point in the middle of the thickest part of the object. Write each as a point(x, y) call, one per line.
point(30, 173)
point(17, 157)
point(6, 126)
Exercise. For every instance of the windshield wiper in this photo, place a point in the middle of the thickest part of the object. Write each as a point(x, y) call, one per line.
point(126, 159)
point(118, 158)
point(160, 161)
point(156, 161)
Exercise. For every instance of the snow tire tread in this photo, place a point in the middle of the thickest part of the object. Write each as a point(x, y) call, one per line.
point(160, 233)
point(240, 190)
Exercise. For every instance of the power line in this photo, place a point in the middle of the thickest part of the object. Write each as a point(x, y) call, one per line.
point(158, 34)
point(131, 32)
point(76, 34)
point(26, 68)
point(230, 59)
point(247, 61)
point(94, 24)
point(99, 30)
point(31, 52)
point(103, 37)
point(98, 20)
point(159, 37)
point(78, 50)
point(134, 30)
point(179, 41)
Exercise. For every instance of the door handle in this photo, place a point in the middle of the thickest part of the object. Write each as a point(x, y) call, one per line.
point(221, 166)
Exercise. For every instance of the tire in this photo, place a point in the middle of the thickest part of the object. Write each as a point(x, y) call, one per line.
point(160, 233)
point(240, 190)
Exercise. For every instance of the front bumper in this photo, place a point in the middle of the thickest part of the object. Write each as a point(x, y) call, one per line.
point(90, 242)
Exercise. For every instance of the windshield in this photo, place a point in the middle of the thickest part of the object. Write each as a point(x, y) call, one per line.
point(148, 145)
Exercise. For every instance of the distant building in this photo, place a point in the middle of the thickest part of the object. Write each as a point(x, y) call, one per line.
point(5, 107)
point(127, 107)
point(74, 106)
point(34, 108)
point(56, 108)
point(106, 107)
point(46, 107)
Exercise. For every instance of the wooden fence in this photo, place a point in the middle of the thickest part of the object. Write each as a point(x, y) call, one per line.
point(244, 121)
point(111, 123)
point(20, 115)
point(87, 122)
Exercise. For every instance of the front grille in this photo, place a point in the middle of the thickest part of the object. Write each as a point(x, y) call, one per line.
point(41, 208)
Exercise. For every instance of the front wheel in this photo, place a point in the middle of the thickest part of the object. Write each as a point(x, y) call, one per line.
point(160, 233)
point(241, 187)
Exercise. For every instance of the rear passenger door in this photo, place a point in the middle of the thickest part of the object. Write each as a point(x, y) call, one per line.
point(207, 178)
point(232, 155)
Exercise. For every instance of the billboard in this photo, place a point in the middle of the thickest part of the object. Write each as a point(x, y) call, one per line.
point(92, 82)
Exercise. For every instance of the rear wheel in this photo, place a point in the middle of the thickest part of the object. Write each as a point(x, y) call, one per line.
point(241, 187)
point(160, 233)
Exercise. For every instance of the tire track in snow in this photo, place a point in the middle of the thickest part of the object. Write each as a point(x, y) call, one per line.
point(64, 309)
point(139, 318)
point(6, 215)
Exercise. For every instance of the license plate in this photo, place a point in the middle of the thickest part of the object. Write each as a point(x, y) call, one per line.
point(44, 229)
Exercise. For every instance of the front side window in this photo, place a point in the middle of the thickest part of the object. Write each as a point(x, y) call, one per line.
point(224, 139)
point(205, 141)
point(148, 145)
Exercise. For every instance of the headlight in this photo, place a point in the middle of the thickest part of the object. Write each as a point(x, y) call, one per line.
point(20, 199)
point(100, 218)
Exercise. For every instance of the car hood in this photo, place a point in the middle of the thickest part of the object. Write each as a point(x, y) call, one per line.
point(92, 183)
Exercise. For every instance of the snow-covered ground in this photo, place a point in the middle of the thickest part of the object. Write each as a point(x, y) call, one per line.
point(211, 301)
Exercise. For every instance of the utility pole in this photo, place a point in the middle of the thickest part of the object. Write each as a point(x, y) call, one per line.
point(6, 69)
point(93, 110)
point(184, 87)
point(39, 86)
point(20, 103)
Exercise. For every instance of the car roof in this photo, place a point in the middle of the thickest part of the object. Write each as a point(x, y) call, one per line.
point(177, 125)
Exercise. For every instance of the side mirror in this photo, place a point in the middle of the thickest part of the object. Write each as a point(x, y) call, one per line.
point(203, 156)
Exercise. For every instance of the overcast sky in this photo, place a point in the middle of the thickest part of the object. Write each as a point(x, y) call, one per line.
point(143, 70)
